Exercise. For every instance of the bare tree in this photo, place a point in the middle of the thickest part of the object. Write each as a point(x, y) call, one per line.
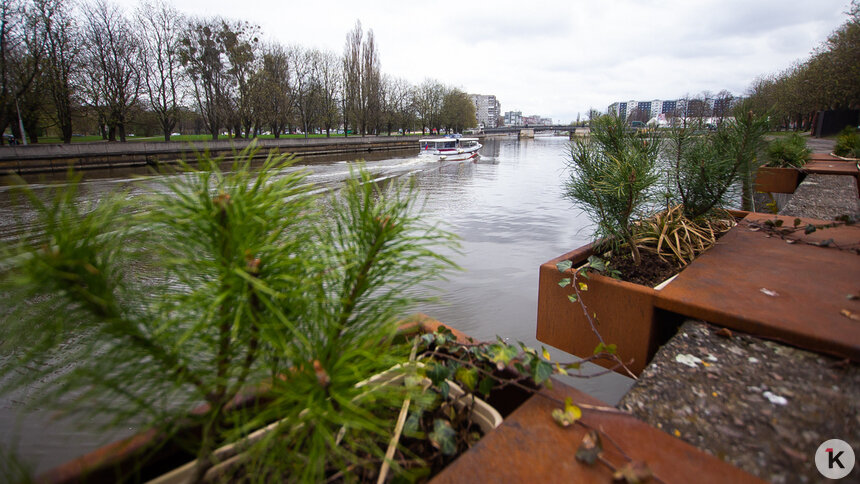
point(112, 70)
point(20, 56)
point(62, 59)
point(241, 46)
point(273, 90)
point(160, 27)
point(204, 58)
point(431, 94)
point(329, 78)
point(305, 88)
point(362, 80)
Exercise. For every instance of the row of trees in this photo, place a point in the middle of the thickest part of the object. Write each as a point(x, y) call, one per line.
point(96, 67)
point(828, 79)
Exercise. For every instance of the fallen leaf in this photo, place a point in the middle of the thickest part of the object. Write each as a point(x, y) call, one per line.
point(590, 448)
point(677, 433)
point(633, 473)
point(848, 314)
point(724, 332)
point(768, 292)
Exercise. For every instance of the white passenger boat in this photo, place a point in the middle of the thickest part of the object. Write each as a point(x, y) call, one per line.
point(449, 149)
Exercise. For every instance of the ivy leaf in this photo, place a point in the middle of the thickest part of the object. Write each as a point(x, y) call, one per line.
point(545, 353)
point(444, 388)
point(572, 297)
point(443, 437)
point(567, 416)
point(564, 282)
point(611, 348)
point(413, 424)
point(468, 377)
point(797, 222)
point(633, 472)
point(778, 222)
point(564, 265)
point(437, 373)
point(501, 353)
point(583, 286)
point(486, 385)
point(809, 229)
point(542, 372)
point(597, 263)
point(590, 448)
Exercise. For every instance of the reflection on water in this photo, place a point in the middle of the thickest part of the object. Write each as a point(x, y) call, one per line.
point(507, 207)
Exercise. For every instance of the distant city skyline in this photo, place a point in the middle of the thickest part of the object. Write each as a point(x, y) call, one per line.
point(559, 58)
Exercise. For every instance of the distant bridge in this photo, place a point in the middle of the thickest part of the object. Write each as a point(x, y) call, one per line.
point(516, 129)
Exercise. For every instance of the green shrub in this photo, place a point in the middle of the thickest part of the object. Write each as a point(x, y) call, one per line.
point(848, 143)
point(788, 152)
point(147, 307)
point(612, 173)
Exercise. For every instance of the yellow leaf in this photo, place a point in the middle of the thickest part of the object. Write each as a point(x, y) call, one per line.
point(583, 286)
point(574, 411)
point(546, 354)
point(677, 433)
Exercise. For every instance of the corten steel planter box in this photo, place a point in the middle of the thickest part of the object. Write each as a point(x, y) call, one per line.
point(149, 455)
point(777, 180)
point(625, 314)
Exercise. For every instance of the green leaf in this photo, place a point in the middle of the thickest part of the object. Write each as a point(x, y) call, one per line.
point(572, 297)
point(443, 437)
point(502, 353)
point(444, 389)
point(486, 385)
point(611, 348)
point(778, 222)
point(564, 265)
point(412, 426)
point(564, 282)
point(597, 263)
point(809, 229)
point(437, 373)
point(542, 372)
point(797, 222)
point(468, 377)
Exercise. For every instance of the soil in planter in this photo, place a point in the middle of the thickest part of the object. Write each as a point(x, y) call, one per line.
point(651, 271)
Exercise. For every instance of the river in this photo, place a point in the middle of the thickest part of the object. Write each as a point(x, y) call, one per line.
point(507, 209)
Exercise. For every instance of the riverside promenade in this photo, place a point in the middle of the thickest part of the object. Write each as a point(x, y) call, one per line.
point(761, 404)
point(47, 158)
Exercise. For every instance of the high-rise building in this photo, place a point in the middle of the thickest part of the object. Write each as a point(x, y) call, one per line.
point(487, 110)
point(514, 118)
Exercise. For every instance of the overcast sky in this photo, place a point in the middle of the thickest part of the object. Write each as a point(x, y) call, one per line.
point(558, 58)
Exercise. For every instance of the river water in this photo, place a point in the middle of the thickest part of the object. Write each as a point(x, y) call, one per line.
point(507, 209)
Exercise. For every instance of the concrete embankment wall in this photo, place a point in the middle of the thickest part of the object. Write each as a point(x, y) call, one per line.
point(84, 156)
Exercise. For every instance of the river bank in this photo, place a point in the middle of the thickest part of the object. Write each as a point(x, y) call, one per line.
point(57, 158)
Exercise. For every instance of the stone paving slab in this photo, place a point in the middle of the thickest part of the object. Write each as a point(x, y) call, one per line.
point(762, 406)
point(824, 197)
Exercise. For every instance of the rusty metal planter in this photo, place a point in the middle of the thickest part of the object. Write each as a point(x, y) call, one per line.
point(777, 180)
point(152, 454)
point(624, 313)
